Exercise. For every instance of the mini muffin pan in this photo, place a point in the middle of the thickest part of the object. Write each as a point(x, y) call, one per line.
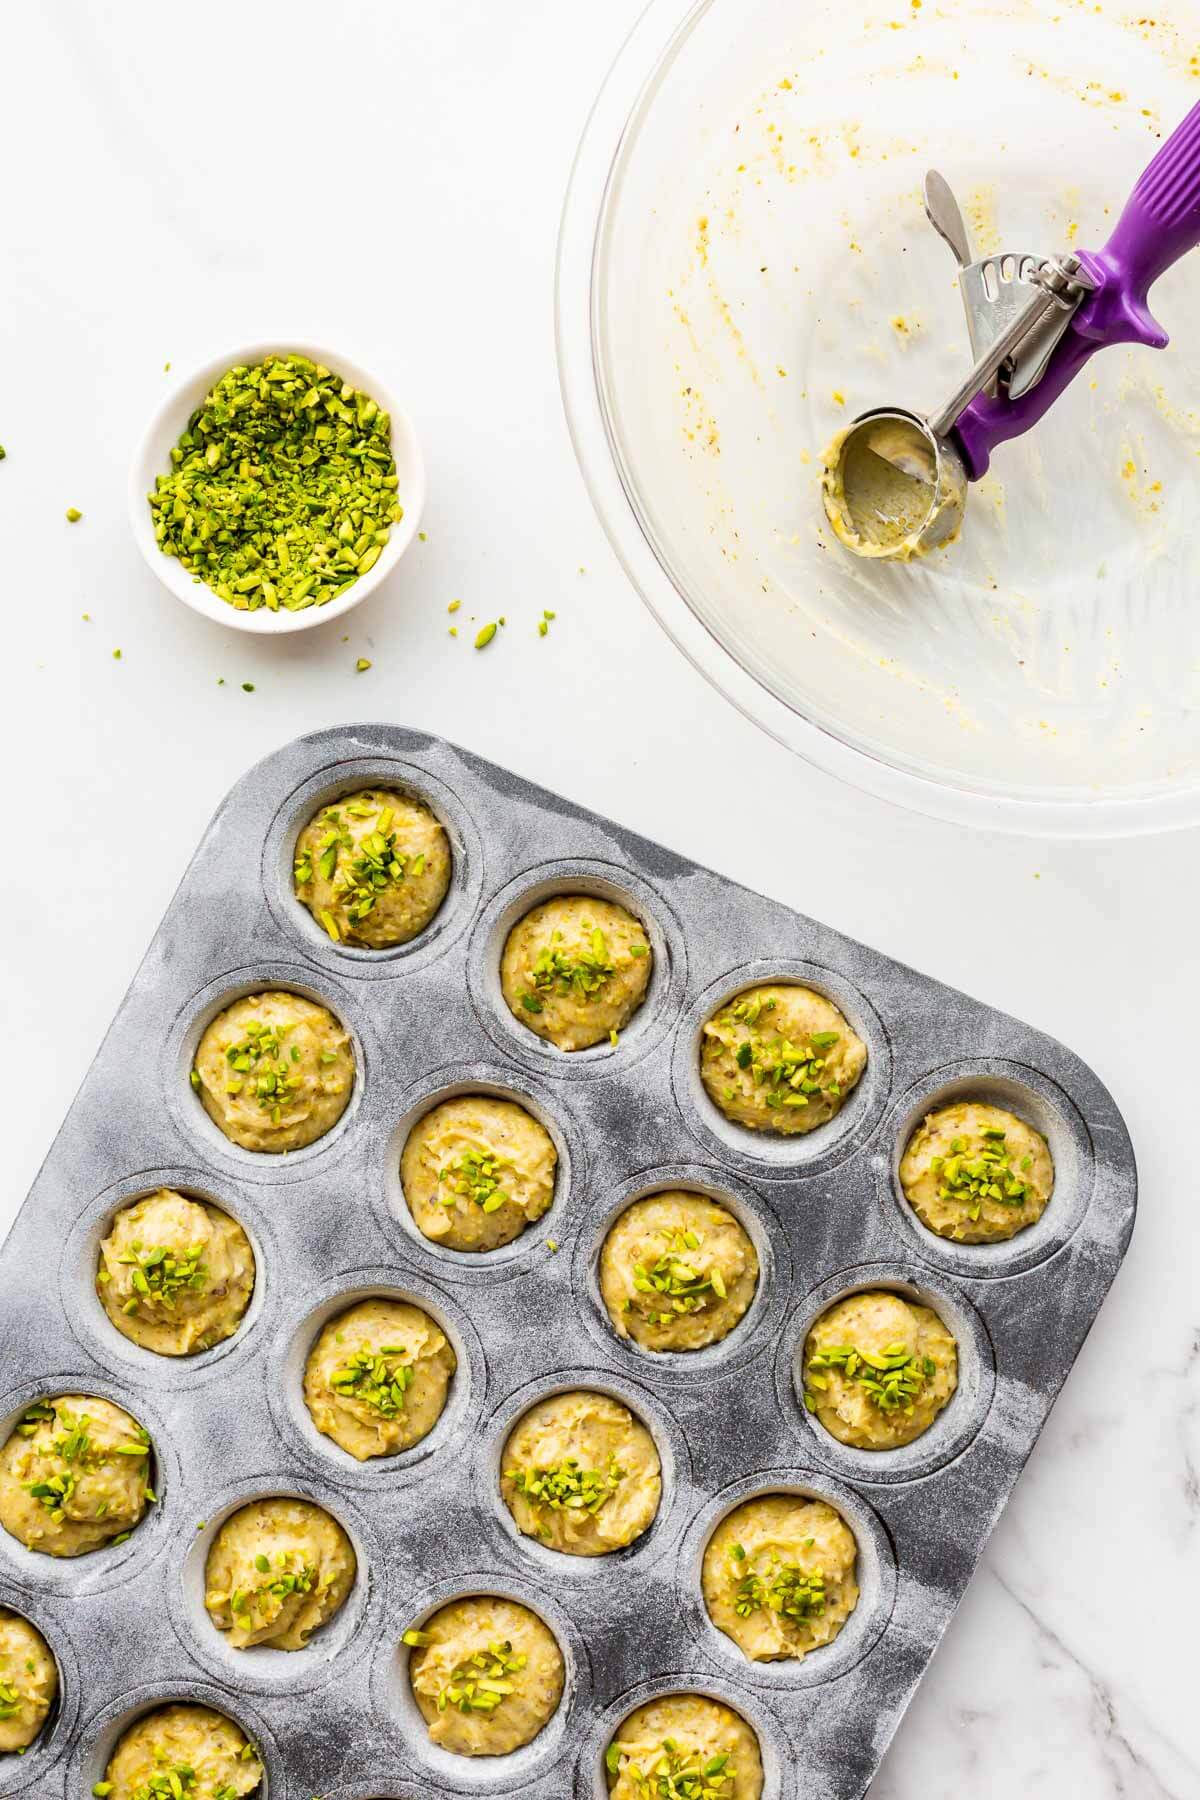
point(329, 1225)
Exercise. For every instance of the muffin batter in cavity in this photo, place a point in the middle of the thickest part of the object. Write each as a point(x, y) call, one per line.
point(976, 1173)
point(28, 1682)
point(174, 1740)
point(175, 1274)
point(581, 1474)
point(677, 1271)
point(74, 1475)
point(779, 1576)
point(575, 970)
point(373, 869)
point(377, 1378)
point(487, 1675)
point(878, 1369)
point(476, 1171)
point(274, 1071)
point(684, 1744)
point(276, 1571)
point(780, 1058)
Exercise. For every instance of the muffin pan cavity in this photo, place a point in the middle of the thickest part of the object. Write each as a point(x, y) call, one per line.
point(259, 1668)
point(875, 1573)
point(546, 1108)
point(559, 1568)
point(33, 1769)
point(754, 1330)
point(1029, 1095)
point(330, 1226)
point(767, 1154)
point(519, 1770)
point(668, 976)
point(464, 1398)
point(90, 1323)
point(338, 782)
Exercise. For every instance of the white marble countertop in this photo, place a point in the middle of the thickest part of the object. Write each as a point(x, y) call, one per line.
point(164, 198)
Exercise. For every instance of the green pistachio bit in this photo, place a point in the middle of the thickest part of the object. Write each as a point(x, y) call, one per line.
point(792, 1073)
point(417, 1640)
point(263, 1064)
point(476, 1176)
point(583, 974)
point(368, 866)
point(892, 1381)
point(159, 1276)
point(485, 636)
point(985, 1175)
point(567, 1487)
point(482, 1681)
point(178, 1782)
point(282, 489)
point(377, 1379)
point(784, 1589)
point(671, 1284)
point(677, 1772)
point(364, 662)
point(73, 515)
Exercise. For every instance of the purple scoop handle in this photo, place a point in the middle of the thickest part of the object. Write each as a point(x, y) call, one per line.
point(1160, 223)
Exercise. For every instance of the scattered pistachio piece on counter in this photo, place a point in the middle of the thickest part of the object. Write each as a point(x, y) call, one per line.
point(73, 515)
point(363, 664)
point(485, 636)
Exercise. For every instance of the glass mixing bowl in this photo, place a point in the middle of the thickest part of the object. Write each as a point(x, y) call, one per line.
point(745, 264)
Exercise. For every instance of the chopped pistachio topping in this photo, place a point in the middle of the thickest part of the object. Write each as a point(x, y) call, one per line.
point(483, 1681)
point(970, 1178)
point(282, 489)
point(567, 1487)
point(10, 1700)
point(286, 1575)
point(358, 871)
point(158, 1276)
point(892, 1380)
point(792, 1073)
point(786, 1589)
point(583, 974)
point(376, 1378)
point(262, 1064)
point(674, 1276)
point(677, 1772)
point(78, 1453)
point(476, 1175)
point(485, 636)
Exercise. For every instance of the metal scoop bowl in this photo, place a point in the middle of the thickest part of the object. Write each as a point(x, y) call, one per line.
point(893, 488)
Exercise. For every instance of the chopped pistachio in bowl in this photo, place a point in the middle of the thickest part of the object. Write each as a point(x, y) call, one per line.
point(277, 502)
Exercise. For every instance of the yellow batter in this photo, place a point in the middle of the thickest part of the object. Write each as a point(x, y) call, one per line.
point(175, 1275)
point(581, 1474)
point(878, 1369)
point(976, 1173)
point(74, 1475)
point(476, 1171)
point(28, 1682)
point(779, 1576)
point(677, 1271)
point(684, 1744)
point(887, 494)
point(576, 969)
point(780, 1058)
point(274, 1071)
point(487, 1675)
point(277, 1570)
point(377, 1378)
point(373, 868)
point(210, 1757)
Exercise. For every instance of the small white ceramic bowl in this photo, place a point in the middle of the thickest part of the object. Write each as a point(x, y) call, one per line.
point(154, 459)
